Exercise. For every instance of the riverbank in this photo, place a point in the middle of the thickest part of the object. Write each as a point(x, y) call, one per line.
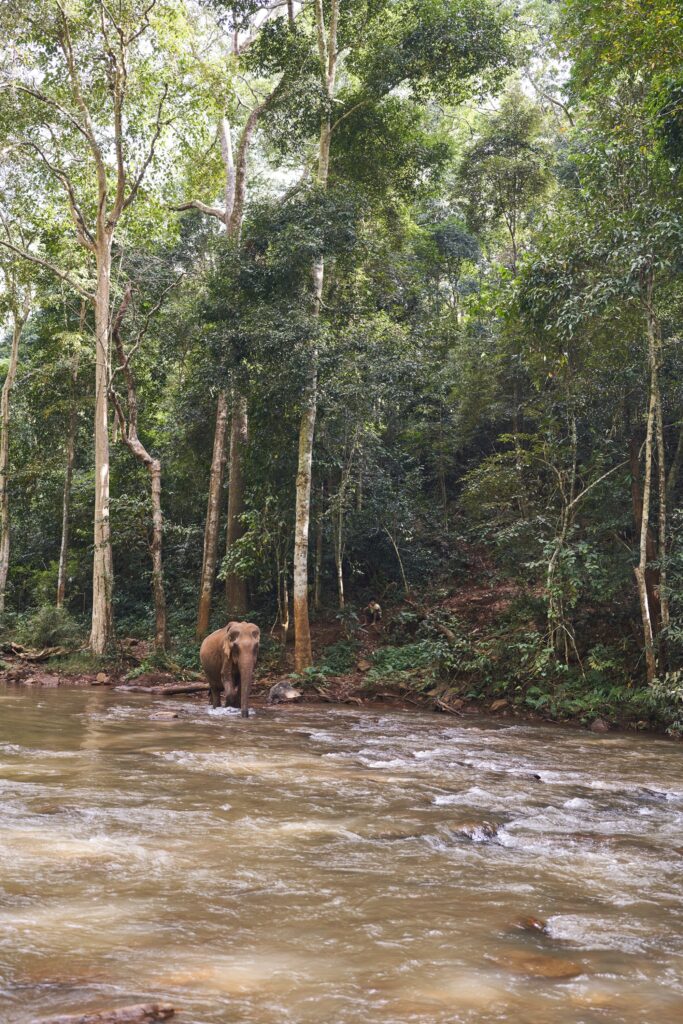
point(319, 688)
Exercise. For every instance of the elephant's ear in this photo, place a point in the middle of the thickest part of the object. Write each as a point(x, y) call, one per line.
point(229, 626)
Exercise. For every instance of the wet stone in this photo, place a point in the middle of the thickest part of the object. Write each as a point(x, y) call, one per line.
point(532, 924)
point(541, 966)
point(42, 679)
point(476, 831)
point(164, 716)
point(599, 726)
point(282, 692)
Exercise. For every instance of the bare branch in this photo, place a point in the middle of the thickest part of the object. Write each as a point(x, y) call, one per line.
point(197, 204)
point(83, 233)
point(49, 101)
point(77, 287)
point(159, 127)
point(67, 50)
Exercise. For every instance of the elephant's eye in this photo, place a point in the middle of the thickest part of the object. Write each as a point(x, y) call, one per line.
point(233, 636)
point(255, 636)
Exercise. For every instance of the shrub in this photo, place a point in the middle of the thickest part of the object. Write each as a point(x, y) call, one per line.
point(50, 627)
point(667, 698)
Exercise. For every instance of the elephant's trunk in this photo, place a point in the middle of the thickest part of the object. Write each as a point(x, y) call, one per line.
point(246, 676)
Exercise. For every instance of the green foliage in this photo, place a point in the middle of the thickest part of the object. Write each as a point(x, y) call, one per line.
point(339, 658)
point(412, 666)
point(50, 627)
point(491, 263)
point(667, 697)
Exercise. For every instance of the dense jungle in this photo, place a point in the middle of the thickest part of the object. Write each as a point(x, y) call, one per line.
point(307, 305)
point(341, 511)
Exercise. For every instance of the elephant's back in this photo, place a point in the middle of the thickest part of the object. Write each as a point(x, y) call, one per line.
point(211, 652)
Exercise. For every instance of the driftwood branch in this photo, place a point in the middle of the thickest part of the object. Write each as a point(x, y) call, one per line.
point(168, 691)
point(26, 654)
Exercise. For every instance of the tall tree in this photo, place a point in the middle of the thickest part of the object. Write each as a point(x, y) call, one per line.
point(90, 85)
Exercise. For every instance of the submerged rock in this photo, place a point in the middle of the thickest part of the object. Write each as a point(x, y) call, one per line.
point(538, 965)
point(42, 679)
point(532, 924)
point(476, 831)
point(599, 725)
point(164, 716)
point(283, 692)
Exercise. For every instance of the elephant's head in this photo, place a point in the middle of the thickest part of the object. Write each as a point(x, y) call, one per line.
point(241, 646)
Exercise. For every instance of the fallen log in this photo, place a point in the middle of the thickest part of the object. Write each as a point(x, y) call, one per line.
point(140, 1013)
point(167, 690)
point(27, 654)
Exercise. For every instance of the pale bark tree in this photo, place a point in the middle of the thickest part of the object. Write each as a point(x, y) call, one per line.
point(236, 585)
point(327, 54)
point(18, 299)
point(654, 437)
point(231, 215)
point(100, 128)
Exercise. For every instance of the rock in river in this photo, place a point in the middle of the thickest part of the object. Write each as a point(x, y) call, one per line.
point(283, 692)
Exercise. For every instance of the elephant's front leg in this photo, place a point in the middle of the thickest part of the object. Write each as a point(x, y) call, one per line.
point(230, 679)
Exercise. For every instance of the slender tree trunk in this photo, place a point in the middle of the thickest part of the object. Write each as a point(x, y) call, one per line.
point(675, 468)
point(17, 327)
point(302, 631)
point(661, 508)
point(394, 545)
point(651, 574)
point(103, 570)
point(129, 434)
point(68, 476)
point(66, 504)
point(317, 585)
point(285, 606)
point(339, 552)
point(641, 568)
point(212, 518)
point(160, 624)
point(327, 50)
point(235, 586)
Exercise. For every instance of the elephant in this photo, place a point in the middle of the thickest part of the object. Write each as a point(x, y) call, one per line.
point(228, 657)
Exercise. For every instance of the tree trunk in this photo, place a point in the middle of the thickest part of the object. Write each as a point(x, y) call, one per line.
point(641, 568)
point(302, 631)
point(235, 586)
point(212, 518)
point(339, 551)
point(129, 435)
point(661, 514)
point(651, 574)
point(317, 584)
point(17, 327)
point(160, 626)
point(327, 49)
point(103, 570)
point(66, 504)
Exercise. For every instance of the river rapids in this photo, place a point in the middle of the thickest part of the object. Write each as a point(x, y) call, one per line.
point(334, 865)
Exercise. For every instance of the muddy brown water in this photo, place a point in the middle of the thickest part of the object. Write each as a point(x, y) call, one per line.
point(334, 865)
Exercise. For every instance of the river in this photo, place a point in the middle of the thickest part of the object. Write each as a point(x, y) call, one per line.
point(334, 865)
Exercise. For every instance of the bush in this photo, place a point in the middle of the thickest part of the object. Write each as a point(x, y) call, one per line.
point(418, 664)
point(339, 658)
point(667, 698)
point(50, 627)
